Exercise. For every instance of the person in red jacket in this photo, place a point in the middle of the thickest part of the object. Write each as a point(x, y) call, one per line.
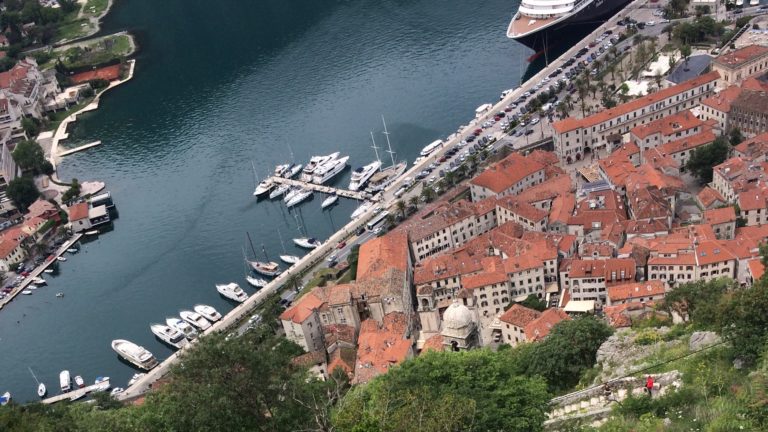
point(649, 385)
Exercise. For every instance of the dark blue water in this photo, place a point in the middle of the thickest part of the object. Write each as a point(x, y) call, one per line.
point(217, 85)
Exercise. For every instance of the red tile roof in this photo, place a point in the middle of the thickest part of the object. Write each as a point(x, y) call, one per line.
point(688, 143)
point(708, 197)
point(722, 101)
point(754, 199)
point(519, 316)
point(570, 124)
point(636, 290)
point(756, 268)
point(303, 308)
point(669, 125)
point(720, 216)
point(383, 253)
point(743, 55)
point(8, 244)
point(540, 327)
point(381, 347)
point(507, 173)
point(78, 211)
point(483, 279)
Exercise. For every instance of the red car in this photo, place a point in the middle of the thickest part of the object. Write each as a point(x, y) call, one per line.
point(25, 274)
point(478, 132)
point(507, 109)
point(497, 118)
point(443, 159)
point(341, 245)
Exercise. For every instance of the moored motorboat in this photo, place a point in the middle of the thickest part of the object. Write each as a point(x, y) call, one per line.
point(300, 196)
point(362, 174)
point(39, 281)
point(134, 354)
point(65, 381)
point(49, 270)
point(59, 294)
point(314, 163)
point(73, 250)
point(195, 319)
point(331, 200)
point(293, 171)
point(169, 335)
point(232, 291)
point(256, 282)
point(27, 292)
point(208, 312)
point(283, 169)
point(279, 191)
point(263, 187)
point(61, 258)
point(102, 383)
point(41, 390)
point(116, 391)
point(266, 268)
point(289, 259)
point(92, 232)
point(306, 242)
point(181, 326)
point(5, 398)
point(134, 378)
point(361, 209)
point(79, 382)
point(386, 177)
point(329, 170)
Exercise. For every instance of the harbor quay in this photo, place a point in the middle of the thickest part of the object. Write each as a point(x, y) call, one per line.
point(386, 198)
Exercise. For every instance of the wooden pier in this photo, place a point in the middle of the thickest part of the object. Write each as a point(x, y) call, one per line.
point(76, 393)
point(360, 196)
point(80, 148)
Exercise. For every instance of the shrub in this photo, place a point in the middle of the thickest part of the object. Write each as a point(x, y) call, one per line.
point(647, 337)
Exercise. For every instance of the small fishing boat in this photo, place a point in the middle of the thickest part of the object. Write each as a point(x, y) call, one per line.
point(73, 250)
point(92, 232)
point(27, 292)
point(289, 259)
point(49, 270)
point(79, 382)
point(60, 294)
point(61, 258)
point(65, 382)
point(116, 391)
point(41, 390)
point(39, 281)
point(306, 242)
point(32, 287)
point(208, 312)
point(134, 378)
point(256, 282)
point(331, 200)
point(5, 398)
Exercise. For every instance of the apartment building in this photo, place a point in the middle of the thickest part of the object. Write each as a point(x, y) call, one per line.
point(510, 176)
point(735, 175)
point(520, 324)
point(666, 129)
point(589, 279)
point(753, 206)
point(686, 260)
point(737, 65)
point(637, 292)
point(573, 137)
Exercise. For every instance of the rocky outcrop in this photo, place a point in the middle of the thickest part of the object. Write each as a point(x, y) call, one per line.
point(702, 339)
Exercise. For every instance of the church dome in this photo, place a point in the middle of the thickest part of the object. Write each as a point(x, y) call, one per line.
point(457, 316)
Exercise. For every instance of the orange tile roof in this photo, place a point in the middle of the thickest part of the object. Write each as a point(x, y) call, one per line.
point(570, 124)
point(708, 197)
point(669, 125)
point(603, 268)
point(381, 254)
point(8, 244)
point(78, 211)
point(483, 279)
point(381, 346)
point(540, 327)
point(507, 173)
point(753, 147)
point(448, 265)
point(756, 268)
point(688, 143)
point(636, 290)
point(434, 343)
point(743, 55)
point(720, 216)
point(519, 315)
point(723, 100)
point(522, 208)
point(343, 358)
point(659, 160)
point(303, 308)
point(754, 199)
point(562, 208)
point(616, 168)
point(710, 252)
point(742, 246)
point(547, 190)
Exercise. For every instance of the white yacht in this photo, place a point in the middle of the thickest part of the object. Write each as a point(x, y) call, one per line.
point(169, 335)
point(256, 282)
point(361, 175)
point(208, 312)
point(65, 381)
point(331, 200)
point(134, 378)
point(426, 151)
point(182, 326)
point(299, 197)
point(116, 391)
point(283, 169)
point(232, 291)
point(329, 170)
point(135, 354)
point(263, 187)
point(316, 161)
point(41, 390)
point(754, 2)
point(103, 383)
point(279, 191)
point(195, 319)
point(306, 242)
point(39, 281)
point(5, 398)
point(291, 193)
point(361, 209)
point(266, 268)
point(79, 381)
point(289, 259)
point(61, 258)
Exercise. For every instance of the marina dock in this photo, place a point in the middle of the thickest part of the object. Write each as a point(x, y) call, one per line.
point(39, 269)
point(360, 196)
point(80, 148)
point(76, 394)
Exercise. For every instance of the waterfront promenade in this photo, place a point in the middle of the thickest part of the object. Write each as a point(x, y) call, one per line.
point(39, 269)
point(360, 196)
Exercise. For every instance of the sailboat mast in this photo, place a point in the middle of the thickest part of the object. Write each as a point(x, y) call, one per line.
point(33, 375)
point(255, 177)
point(389, 145)
point(290, 150)
point(375, 149)
point(281, 240)
point(263, 249)
point(245, 261)
point(251, 242)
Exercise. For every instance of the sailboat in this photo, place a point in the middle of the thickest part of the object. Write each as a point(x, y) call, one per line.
point(267, 268)
point(289, 259)
point(386, 176)
point(253, 281)
point(41, 390)
point(279, 191)
point(294, 168)
point(331, 200)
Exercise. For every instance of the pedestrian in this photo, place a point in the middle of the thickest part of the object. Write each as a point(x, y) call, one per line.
point(649, 385)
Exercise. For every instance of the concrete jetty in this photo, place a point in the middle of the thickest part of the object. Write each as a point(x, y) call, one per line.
point(80, 148)
point(360, 196)
point(39, 269)
point(76, 393)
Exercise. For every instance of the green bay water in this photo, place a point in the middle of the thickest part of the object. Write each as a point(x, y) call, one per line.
point(217, 85)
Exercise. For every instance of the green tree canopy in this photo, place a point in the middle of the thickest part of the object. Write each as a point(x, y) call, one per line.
point(534, 303)
point(23, 192)
point(704, 158)
point(698, 301)
point(29, 156)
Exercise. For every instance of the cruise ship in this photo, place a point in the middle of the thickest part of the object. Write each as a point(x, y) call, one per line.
point(329, 170)
point(539, 24)
point(315, 162)
point(361, 175)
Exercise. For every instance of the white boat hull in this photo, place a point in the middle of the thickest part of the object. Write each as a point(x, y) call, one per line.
point(208, 312)
point(289, 259)
point(327, 174)
point(331, 200)
point(232, 291)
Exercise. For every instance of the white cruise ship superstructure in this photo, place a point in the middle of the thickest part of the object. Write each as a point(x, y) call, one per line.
point(361, 175)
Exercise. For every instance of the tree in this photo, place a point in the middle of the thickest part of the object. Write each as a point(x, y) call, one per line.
point(73, 191)
point(697, 301)
point(354, 254)
point(735, 137)
point(29, 156)
point(477, 390)
point(704, 158)
point(31, 126)
point(428, 194)
point(400, 206)
point(745, 323)
point(533, 302)
point(685, 51)
point(23, 192)
point(414, 202)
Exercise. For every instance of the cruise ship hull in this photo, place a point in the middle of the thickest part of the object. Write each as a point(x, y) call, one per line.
point(562, 30)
